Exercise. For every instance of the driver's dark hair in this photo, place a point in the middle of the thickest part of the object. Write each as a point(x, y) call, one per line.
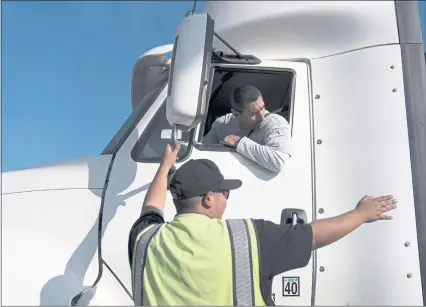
point(242, 95)
point(186, 205)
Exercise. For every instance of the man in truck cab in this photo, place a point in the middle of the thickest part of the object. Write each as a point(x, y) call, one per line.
point(257, 134)
point(199, 259)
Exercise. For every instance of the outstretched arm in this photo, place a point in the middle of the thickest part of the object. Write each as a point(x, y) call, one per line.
point(368, 209)
point(286, 247)
point(327, 231)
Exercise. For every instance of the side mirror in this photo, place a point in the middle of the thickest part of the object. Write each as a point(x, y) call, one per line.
point(293, 216)
point(189, 71)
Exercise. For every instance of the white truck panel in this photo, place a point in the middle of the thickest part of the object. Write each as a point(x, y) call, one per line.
point(49, 243)
point(80, 173)
point(362, 124)
point(303, 29)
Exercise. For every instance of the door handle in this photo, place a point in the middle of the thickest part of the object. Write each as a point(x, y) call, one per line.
point(293, 216)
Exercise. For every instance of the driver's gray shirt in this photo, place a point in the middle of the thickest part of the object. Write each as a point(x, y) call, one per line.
point(270, 145)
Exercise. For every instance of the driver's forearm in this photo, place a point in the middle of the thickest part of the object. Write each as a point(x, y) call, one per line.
point(264, 155)
point(327, 231)
point(156, 194)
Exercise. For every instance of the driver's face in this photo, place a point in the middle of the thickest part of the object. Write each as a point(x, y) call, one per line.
point(253, 114)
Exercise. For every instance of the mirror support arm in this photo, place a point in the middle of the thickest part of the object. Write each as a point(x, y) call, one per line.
point(174, 132)
point(174, 142)
point(228, 45)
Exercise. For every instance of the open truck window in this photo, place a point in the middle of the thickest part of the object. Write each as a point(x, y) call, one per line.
point(275, 86)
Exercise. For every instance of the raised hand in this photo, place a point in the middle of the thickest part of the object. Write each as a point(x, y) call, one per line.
point(170, 155)
point(374, 208)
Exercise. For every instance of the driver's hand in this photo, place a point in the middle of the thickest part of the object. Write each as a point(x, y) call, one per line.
point(231, 140)
point(374, 208)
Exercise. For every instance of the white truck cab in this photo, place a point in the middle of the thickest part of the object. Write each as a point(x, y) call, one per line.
point(350, 79)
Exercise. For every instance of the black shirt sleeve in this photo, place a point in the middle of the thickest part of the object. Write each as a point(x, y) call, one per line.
point(281, 248)
point(150, 215)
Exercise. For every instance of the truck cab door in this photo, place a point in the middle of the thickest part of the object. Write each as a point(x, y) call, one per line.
point(264, 194)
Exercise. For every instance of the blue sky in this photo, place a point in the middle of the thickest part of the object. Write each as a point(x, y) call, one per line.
point(66, 71)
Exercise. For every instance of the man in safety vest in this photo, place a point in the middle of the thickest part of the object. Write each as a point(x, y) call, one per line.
point(198, 259)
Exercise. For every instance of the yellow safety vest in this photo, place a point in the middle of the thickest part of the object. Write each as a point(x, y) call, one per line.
point(195, 260)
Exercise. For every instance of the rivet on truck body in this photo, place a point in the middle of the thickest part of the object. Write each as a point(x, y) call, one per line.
point(322, 269)
point(409, 275)
point(321, 210)
point(407, 244)
point(394, 90)
point(317, 96)
point(319, 142)
point(392, 67)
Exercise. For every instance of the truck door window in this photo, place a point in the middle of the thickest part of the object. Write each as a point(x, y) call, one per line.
point(276, 88)
point(151, 144)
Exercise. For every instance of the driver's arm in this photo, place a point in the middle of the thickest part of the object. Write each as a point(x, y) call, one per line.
point(277, 149)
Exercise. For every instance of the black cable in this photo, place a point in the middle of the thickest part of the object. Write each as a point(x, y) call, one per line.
point(118, 279)
point(76, 298)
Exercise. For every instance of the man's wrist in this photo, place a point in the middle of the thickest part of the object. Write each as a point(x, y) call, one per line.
point(164, 169)
point(359, 215)
point(240, 141)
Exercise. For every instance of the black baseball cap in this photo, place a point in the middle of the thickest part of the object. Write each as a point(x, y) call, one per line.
point(197, 177)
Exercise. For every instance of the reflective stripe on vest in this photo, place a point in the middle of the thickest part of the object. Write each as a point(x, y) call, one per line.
point(242, 273)
point(242, 263)
point(139, 263)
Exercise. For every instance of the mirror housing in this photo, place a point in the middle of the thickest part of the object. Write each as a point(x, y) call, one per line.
point(189, 72)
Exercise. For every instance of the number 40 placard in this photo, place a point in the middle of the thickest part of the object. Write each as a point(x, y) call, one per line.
point(291, 286)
